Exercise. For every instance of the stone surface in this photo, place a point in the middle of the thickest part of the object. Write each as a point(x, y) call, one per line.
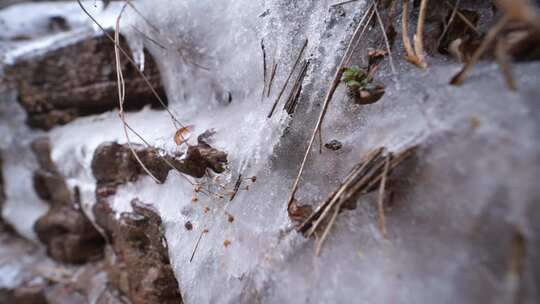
point(66, 231)
point(113, 164)
point(79, 79)
point(141, 268)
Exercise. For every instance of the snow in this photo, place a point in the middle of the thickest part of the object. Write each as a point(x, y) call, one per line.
point(435, 253)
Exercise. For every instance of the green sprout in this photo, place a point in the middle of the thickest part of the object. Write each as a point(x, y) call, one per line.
point(355, 77)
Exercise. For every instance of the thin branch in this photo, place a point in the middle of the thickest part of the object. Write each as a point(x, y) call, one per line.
point(405, 31)
point(386, 41)
point(459, 78)
point(503, 59)
point(121, 93)
point(149, 38)
point(419, 36)
point(455, 9)
point(371, 12)
point(132, 62)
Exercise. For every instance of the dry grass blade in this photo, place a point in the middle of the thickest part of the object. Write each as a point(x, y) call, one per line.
point(463, 18)
point(419, 36)
point(405, 33)
point(372, 170)
point(317, 213)
point(503, 59)
point(197, 244)
point(288, 78)
point(134, 64)
point(392, 66)
point(161, 46)
point(380, 201)
point(264, 68)
point(327, 99)
point(459, 78)
point(414, 55)
point(272, 76)
point(346, 187)
point(292, 100)
point(121, 94)
point(369, 15)
point(236, 187)
point(455, 10)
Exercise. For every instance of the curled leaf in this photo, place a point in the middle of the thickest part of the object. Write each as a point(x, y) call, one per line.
point(182, 135)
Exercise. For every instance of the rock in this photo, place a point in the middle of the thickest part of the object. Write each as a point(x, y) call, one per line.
point(113, 164)
point(79, 79)
point(141, 268)
point(68, 234)
point(24, 295)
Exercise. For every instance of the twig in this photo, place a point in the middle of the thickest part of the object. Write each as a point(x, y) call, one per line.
point(419, 36)
point(264, 68)
point(121, 93)
point(412, 54)
point(149, 38)
point(382, 219)
point(405, 32)
point(369, 12)
point(459, 78)
point(455, 9)
point(134, 64)
point(288, 78)
point(334, 198)
point(372, 170)
point(320, 241)
point(464, 18)
point(327, 99)
point(501, 55)
point(272, 75)
point(155, 28)
point(392, 66)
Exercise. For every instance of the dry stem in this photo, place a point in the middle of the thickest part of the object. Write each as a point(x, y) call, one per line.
point(486, 43)
point(380, 204)
point(327, 99)
point(122, 92)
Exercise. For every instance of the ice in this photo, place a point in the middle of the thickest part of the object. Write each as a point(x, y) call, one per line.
point(22, 207)
point(463, 179)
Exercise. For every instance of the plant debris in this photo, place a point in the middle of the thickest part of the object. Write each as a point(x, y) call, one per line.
point(514, 34)
point(182, 135)
point(292, 100)
point(414, 55)
point(288, 78)
point(363, 178)
point(333, 145)
point(299, 213)
point(226, 243)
